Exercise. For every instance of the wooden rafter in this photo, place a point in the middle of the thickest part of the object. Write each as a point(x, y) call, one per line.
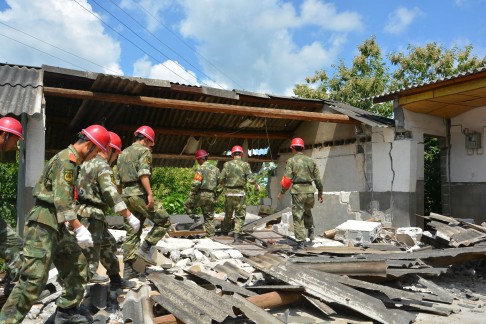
point(200, 106)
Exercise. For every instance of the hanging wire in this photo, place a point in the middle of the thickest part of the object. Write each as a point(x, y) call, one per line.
point(189, 46)
point(59, 48)
point(131, 42)
point(161, 42)
point(73, 64)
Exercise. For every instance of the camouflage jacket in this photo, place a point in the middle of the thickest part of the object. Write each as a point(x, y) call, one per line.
point(55, 189)
point(205, 179)
point(302, 170)
point(134, 162)
point(96, 189)
point(234, 176)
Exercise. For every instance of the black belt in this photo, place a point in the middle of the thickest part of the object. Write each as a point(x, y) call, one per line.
point(239, 187)
point(305, 182)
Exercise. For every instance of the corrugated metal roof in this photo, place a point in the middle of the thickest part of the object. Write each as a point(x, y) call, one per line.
point(387, 96)
point(65, 116)
point(363, 116)
point(20, 90)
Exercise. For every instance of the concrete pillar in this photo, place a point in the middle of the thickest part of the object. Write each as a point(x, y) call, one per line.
point(34, 163)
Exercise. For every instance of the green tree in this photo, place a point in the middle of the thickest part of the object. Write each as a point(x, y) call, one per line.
point(355, 85)
point(430, 62)
point(370, 74)
point(8, 192)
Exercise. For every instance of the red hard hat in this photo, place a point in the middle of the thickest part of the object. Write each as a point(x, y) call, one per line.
point(98, 135)
point(115, 141)
point(236, 148)
point(146, 131)
point(297, 142)
point(200, 154)
point(11, 125)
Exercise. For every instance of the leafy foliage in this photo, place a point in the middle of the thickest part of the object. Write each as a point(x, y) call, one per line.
point(370, 74)
point(432, 186)
point(8, 192)
point(171, 186)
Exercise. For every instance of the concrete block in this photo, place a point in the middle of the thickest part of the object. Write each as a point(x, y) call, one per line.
point(208, 245)
point(358, 232)
point(235, 254)
point(187, 253)
point(182, 263)
point(198, 256)
point(162, 261)
point(219, 255)
point(170, 244)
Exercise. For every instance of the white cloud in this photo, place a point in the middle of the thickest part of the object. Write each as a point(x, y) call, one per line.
point(168, 70)
point(399, 20)
point(63, 24)
point(326, 16)
point(255, 40)
point(150, 9)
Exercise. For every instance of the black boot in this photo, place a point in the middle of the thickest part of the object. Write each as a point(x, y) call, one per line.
point(128, 271)
point(310, 234)
point(197, 223)
point(144, 253)
point(116, 282)
point(72, 315)
point(300, 245)
point(237, 238)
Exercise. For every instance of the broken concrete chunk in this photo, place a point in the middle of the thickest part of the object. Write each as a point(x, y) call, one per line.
point(358, 232)
point(170, 244)
point(219, 255)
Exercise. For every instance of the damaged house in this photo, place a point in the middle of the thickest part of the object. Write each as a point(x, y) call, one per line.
point(371, 167)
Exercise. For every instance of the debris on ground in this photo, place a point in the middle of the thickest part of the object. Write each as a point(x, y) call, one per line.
point(359, 272)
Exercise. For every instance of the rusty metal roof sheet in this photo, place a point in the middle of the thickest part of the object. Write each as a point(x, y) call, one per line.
point(20, 90)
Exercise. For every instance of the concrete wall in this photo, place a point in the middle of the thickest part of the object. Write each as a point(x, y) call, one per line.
point(467, 183)
point(375, 177)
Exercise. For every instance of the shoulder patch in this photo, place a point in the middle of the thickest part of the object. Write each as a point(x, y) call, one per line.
point(198, 177)
point(68, 175)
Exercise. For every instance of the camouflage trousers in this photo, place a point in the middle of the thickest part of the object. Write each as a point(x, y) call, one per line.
point(233, 205)
point(44, 246)
point(205, 201)
point(11, 250)
point(103, 250)
point(302, 215)
point(138, 206)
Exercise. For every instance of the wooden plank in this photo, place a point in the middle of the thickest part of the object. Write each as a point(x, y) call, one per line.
point(200, 106)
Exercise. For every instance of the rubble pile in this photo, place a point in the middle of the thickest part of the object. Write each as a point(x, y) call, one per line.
point(359, 272)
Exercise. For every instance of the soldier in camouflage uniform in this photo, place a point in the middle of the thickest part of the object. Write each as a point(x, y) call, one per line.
point(234, 176)
point(48, 240)
point(300, 172)
point(134, 170)
point(97, 192)
point(10, 242)
point(203, 191)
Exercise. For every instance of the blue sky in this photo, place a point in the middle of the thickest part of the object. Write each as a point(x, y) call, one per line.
point(263, 46)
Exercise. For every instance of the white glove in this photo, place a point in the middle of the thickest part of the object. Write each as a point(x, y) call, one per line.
point(134, 222)
point(83, 236)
